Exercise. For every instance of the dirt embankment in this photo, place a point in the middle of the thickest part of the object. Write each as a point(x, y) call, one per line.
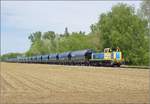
point(35, 83)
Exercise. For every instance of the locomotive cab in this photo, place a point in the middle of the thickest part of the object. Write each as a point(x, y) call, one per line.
point(117, 57)
point(108, 57)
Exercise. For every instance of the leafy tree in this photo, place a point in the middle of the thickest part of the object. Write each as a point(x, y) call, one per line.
point(75, 41)
point(49, 41)
point(35, 36)
point(144, 11)
point(123, 28)
point(49, 35)
point(37, 46)
point(10, 55)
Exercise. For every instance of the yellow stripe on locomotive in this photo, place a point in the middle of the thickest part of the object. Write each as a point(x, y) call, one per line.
point(107, 56)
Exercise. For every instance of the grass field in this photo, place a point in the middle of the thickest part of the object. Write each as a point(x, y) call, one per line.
point(35, 83)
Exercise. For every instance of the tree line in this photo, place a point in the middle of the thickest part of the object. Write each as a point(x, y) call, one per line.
point(121, 27)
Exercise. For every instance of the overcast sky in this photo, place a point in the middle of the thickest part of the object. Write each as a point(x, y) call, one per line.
point(20, 18)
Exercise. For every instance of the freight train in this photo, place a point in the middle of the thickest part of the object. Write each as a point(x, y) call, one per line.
point(86, 57)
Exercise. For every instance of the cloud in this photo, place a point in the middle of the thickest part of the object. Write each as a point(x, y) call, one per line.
point(45, 15)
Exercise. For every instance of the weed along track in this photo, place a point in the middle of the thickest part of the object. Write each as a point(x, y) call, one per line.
point(35, 83)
